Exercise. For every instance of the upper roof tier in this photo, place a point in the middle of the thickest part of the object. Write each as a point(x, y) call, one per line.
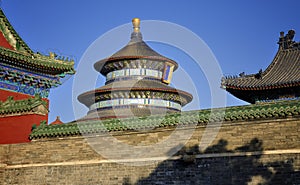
point(134, 50)
point(282, 73)
point(16, 53)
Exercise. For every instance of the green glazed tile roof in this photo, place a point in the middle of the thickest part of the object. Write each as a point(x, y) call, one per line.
point(45, 64)
point(11, 106)
point(24, 57)
point(238, 113)
point(15, 40)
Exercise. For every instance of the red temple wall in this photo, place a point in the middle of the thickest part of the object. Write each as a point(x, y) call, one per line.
point(16, 129)
point(17, 96)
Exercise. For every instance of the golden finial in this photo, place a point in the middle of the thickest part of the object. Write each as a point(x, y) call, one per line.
point(136, 24)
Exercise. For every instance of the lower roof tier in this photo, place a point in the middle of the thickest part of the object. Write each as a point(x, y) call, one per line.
point(136, 89)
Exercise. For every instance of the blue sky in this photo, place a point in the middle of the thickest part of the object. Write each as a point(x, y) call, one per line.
point(241, 34)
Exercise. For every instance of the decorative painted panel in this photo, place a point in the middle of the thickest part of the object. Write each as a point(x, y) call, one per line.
point(168, 72)
point(21, 88)
point(21, 81)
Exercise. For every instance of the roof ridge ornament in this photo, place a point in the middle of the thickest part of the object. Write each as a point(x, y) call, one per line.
point(287, 41)
point(136, 35)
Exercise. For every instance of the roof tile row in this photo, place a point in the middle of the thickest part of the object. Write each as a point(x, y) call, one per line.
point(202, 117)
point(11, 106)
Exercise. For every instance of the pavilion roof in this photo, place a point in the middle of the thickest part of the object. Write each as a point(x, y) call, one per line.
point(135, 49)
point(252, 112)
point(283, 71)
point(57, 121)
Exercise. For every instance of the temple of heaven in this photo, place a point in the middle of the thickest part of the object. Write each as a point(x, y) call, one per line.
point(137, 83)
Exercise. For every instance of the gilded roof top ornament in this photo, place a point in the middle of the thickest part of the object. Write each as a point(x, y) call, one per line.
point(136, 24)
point(136, 35)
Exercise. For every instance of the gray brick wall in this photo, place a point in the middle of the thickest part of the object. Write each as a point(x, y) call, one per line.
point(252, 152)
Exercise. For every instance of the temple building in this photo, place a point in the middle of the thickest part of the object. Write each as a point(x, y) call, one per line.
point(256, 143)
point(280, 81)
point(25, 80)
point(137, 79)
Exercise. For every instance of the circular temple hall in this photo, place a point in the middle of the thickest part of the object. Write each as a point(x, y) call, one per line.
point(137, 83)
